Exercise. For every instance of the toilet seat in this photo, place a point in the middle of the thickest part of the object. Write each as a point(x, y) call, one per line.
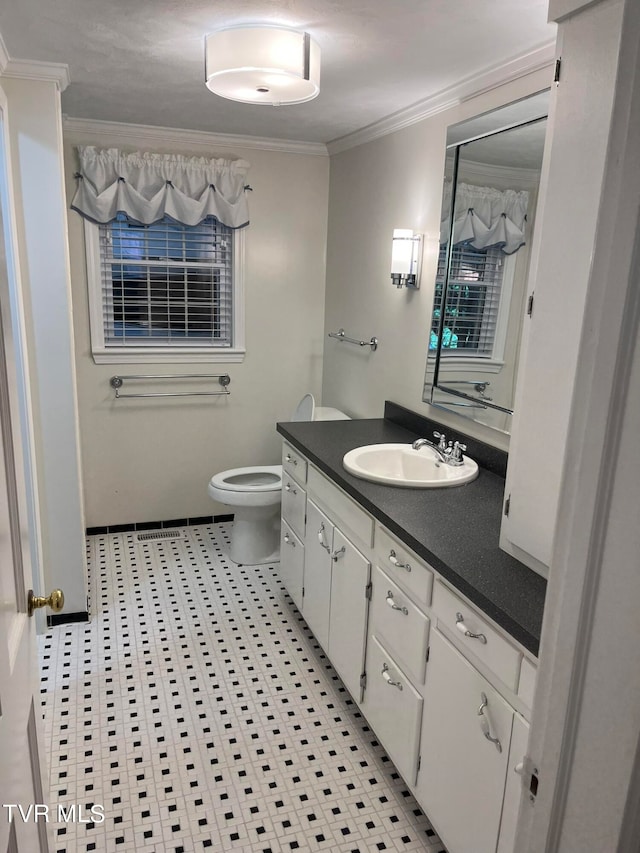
point(253, 479)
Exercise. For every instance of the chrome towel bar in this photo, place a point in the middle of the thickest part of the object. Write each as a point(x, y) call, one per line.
point(224, 379)
point(341, 336)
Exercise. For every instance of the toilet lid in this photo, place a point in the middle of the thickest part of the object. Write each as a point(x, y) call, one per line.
point(258, 478)
point(305, 409)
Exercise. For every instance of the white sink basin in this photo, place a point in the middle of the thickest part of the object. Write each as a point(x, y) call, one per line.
point(401, 465)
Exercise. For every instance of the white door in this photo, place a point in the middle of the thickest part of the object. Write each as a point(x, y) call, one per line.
point(21, 776)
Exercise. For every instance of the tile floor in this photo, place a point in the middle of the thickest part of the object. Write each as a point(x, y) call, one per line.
point(198, 710)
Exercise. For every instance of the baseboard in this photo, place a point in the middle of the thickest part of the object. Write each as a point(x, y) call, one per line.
point(67, 618)
point(157, 525)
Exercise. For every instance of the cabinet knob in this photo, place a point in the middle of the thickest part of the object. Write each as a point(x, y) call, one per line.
point(464, 630)
point(289, 488)
point(289, 458)
point(396, 562)
point(289, 540)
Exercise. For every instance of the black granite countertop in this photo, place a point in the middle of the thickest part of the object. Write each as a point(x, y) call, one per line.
point(456, 530)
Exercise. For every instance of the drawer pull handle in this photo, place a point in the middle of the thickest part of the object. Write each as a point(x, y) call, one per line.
point(321, 538)
point(289, 540)
point(289, 458)
point(464, 630)
point(395, 606)
point(387, 677)
point(289, 488)
point(337, 554)
point(396, 562)
point(484, 723)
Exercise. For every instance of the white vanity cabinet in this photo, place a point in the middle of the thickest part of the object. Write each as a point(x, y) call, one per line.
point(445, 690)
point(397, 648)
point(294, 476)
point(473, 737)
point(458, 763)
point(330, 585)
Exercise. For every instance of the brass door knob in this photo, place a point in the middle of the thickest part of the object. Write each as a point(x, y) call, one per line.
point(55, 601)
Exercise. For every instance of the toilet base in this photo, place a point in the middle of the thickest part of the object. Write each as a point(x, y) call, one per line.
point(255, 535)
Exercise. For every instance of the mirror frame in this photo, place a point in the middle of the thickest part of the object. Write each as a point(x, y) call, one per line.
point(526, 111)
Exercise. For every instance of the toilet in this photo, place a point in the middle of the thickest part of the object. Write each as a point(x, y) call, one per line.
point(255, 492)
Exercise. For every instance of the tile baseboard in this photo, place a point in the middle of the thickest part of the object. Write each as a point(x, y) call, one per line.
point(67, 618)
point(157, 525)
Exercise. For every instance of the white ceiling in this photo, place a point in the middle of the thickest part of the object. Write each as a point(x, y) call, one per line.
point(141, 61)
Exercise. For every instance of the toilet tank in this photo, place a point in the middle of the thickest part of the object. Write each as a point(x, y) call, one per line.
point(306, 410)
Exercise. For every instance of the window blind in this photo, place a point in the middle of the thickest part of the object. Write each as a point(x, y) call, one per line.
point(166, 284)
point(472, 300)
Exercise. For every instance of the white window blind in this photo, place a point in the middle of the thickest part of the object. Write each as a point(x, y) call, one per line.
point(166, 284)
point(472, 304)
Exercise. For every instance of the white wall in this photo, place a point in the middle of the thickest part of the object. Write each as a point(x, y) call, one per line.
point(41, 224)
point(150, 460)
point(391, 182)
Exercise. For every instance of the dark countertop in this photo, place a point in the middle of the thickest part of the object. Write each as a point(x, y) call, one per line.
point(456, 530)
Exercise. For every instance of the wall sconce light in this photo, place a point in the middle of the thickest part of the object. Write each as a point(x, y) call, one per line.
point(405, 258)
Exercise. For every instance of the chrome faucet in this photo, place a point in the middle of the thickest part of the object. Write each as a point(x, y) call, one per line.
point(450, 454)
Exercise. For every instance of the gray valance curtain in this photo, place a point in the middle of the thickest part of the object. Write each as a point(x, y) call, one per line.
point(485, 217)
point(148, 187)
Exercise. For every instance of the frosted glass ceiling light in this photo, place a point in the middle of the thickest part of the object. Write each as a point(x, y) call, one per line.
point(405, 258)
point(262, 65)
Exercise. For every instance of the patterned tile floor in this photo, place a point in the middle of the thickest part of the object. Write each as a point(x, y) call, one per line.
point(198, 710)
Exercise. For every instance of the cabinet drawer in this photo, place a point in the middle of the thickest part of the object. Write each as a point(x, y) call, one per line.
point(291, 563)
point(527, 683)
point(393, 708)
point(491, 647)
point(401, 627)
point(294, 500)
point(341, 506)
point(403, 566)
point(294, 463)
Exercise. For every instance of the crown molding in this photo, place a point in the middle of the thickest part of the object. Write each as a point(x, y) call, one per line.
point(190, 138)
point(31, 69)
point(471, 87)
point(4, 55)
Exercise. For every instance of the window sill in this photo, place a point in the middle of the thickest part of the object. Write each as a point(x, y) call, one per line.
point(140, 355)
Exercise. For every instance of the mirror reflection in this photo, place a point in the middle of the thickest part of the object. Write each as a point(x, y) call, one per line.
point(489, 200)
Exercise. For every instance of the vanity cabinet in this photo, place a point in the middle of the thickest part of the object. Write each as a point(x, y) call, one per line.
point(459, 764)
point(294, 477)
point(445, 690)
point(328, 573)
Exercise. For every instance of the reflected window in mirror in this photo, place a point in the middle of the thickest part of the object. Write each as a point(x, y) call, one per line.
point(489, 199)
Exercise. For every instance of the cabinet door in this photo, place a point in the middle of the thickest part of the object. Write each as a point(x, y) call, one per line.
point(291, 563)
point(317, 573)
point(393, 708)
point(462, 774)
point(513, 790)
point(348, 611)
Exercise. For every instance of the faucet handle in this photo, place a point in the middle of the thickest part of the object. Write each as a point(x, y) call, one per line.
point(458, 450)
point(442, 443)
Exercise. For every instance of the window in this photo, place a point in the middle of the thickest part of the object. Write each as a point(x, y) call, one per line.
point(476, 305)
point(165, 292)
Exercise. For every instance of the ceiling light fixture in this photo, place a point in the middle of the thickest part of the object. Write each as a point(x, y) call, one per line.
point(262, 65)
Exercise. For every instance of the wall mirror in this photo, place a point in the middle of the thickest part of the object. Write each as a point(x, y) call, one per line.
point(492, 174)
